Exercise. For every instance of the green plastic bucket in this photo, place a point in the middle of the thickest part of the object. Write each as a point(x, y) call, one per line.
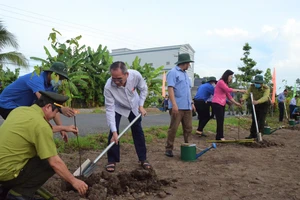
point(267, 130)
point(188, 152)
point(292, 122)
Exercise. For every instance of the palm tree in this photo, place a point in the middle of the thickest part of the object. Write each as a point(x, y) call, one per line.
point(7, 39)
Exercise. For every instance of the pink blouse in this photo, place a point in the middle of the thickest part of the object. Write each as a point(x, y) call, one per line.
point(221, 92)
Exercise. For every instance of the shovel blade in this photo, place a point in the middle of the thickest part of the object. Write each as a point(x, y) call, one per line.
point(89, 170)
point(81, 169)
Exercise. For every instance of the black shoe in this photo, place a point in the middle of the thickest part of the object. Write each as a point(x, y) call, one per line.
point(169, 153)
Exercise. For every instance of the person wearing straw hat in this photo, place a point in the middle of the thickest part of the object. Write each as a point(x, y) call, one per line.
point(261, 93)
point(28, 154)
point(204, 93)
point(25, 90)
point(180, 104)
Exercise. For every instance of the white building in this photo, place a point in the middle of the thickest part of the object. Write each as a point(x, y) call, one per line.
point(156, 57)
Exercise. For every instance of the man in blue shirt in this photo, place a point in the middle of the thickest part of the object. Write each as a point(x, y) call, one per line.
point(281, 101)
point(180, 104)
point(296, 112)
point(204, 92)
point(25, 91)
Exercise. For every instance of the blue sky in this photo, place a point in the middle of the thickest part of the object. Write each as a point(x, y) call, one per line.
point(216, 29)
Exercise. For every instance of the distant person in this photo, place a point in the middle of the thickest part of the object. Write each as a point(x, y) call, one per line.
point(25, 91)
point(281, 102)
point(204, 93)
point(166, 103)
point(296, 112)
point(122, 99)
point(219, 100)
point(293, 105)
point(261, 93)
point(181, 104)
point(28, 154)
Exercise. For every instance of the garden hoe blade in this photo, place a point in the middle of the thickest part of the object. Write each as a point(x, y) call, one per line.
point(89, 168)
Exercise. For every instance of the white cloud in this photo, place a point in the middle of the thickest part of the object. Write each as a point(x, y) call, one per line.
point(228, 32)
point(267, 28)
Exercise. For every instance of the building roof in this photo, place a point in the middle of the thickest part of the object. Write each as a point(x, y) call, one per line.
point(124, 51)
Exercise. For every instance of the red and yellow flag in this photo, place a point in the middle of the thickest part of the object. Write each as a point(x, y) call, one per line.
point(163, 87)
point(274, 86)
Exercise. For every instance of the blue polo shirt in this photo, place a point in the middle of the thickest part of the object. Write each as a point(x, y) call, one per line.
point(296, 110)
point(281, 97)
point(179, 80)
point(22, 91)
point(204, 92)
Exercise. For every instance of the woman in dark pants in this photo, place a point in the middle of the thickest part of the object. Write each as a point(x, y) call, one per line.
point(222, 91)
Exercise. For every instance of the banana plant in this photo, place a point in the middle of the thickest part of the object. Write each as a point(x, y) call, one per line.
point(151, 76)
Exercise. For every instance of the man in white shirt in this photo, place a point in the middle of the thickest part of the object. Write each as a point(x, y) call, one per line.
point(122, 99)
point(293, 104)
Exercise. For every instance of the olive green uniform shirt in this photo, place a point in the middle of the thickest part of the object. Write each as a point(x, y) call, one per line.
point(259, 94)
point(24, 135)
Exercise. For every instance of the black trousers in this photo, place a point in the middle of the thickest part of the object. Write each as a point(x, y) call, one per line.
point(281, 111)
point(113, 154)
point(219, 111)
point(261, 113)
point(4, 112)
point(34, 174)
point(203, 112)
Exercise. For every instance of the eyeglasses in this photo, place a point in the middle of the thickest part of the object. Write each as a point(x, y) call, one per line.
point(117, 80)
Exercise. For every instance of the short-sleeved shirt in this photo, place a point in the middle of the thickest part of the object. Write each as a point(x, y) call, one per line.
point(179, 80)
point(14, 94)
point(24, 134)
point(204, 92)
point(261, 94)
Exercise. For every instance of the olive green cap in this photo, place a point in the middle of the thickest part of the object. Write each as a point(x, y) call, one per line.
point(258, 79)
point(59, 68)
point(184, 58)
point(56, 98)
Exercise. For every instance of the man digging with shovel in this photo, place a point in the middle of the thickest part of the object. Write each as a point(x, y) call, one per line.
point(122, 99)
point(261, 94)
point(28, 154)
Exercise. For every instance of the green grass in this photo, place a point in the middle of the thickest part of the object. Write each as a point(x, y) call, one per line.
point(99, 141)
point(98, 111)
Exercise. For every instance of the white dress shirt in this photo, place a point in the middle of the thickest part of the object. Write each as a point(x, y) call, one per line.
point(125, 99)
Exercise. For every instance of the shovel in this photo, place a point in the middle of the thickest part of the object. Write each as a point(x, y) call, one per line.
point(259, 138)
point(88, 166)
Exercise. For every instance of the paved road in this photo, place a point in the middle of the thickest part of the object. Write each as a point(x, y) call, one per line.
point(96, 123)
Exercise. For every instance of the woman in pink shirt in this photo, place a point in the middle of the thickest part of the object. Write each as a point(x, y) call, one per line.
point(222, 92)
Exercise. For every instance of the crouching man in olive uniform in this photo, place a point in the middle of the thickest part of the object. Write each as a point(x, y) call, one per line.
point(28, 154)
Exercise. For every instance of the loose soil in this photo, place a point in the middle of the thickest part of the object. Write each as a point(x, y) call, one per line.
point(270, 170)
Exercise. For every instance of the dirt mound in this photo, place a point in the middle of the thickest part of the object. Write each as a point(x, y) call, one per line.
point(264, 144)
point(137, 184)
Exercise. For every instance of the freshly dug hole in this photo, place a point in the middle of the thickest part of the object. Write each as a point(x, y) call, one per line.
point(264, 144)
point(105, 184)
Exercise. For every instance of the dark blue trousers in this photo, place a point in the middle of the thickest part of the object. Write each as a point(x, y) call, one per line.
point(113, 154)
point(281, 111)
